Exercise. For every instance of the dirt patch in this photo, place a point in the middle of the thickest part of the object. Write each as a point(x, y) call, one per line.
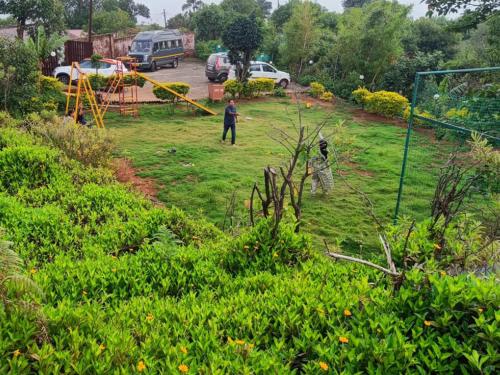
point(126, 173)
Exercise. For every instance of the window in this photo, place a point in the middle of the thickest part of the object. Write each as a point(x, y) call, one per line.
point(255, 68)
point(268, 68)
point(105, 65)
point(86, 64)
point(140, 46)
point(179, 43)
point(173, 43)
point(163, 45)
point(155, 47)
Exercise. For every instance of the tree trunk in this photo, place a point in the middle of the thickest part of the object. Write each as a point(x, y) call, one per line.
point(21, 26)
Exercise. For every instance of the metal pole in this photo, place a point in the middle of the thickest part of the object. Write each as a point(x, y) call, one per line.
point(165, 18)
point(407, 145)
point(90, 21)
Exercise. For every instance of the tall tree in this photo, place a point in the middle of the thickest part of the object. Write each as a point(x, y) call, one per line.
point(301, 33)
point(354, 3)
point(265, 6)
point(369, 40)
point(242, 37)
point(179, 21)
point(48, 13)
point(44, 45)
point(242, 7)
point(192, 6)
point(209, 22)
point(475, 11)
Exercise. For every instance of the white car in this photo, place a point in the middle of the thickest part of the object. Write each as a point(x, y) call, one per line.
point(107, 68)
point(259, 69)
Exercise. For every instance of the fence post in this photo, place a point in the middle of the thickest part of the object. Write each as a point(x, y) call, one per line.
point(407, 146)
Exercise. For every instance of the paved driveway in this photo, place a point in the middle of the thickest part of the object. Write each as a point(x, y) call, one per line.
point(191, 71)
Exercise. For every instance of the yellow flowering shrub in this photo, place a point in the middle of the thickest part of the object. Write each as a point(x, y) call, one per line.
point(417, 111)
point(327, 96)
point(360, 95)
point(386, 103)
point(317, 89)
point(456, 113)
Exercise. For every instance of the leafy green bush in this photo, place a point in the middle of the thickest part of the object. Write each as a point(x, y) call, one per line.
point(233, 87)
point(385, 103)
point(89, 146)
point(51, 91)
point(360, 94)
point(257, 250)
point(327, 96)
point(27, 166)
point(162, 94)
point(97, 81)
point(262, 85)
point(204, 49)
point(317, 89)
point(279, 92)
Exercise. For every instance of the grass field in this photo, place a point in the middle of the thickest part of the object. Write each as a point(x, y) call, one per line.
point(202, 175)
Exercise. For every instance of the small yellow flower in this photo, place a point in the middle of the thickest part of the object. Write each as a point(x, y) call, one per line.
point(102, 347)
point(443, 273)
point(184, 350)
point(343, 340)
point(323, 366)
point(427, 323)
point(84, 292)
point(183, 368)
point(113, 270)
point(437, 246)
point(275, 255)
point(347, 313)
point(149, 317)
point(239, 342)
point(33, 271)
point(250, 346)
point(246, 247)
point(141, 366)
point(17, 353)
point(480, 310)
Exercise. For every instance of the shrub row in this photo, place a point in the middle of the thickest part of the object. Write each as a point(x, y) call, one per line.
point(179, 87)
point(251, 89)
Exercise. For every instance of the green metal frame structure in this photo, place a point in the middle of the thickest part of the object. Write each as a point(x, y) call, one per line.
point(413, 116)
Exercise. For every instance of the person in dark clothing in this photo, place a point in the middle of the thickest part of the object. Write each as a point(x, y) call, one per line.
point(80, 119)
point(230, 118)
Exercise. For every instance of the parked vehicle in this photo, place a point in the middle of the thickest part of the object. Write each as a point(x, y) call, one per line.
point(260, 69)
point(106, 68)
point(154, 49)
point(218, 66)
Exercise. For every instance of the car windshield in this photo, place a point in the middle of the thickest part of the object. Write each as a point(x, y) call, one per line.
point(141, 46)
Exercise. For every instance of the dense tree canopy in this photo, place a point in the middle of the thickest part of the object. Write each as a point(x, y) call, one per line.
point(242, 37)
point(209, 22)
point(354, 3)
point(38, 12)
point(475, 11)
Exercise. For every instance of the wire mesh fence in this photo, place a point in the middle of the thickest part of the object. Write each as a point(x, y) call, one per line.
point(447, 108)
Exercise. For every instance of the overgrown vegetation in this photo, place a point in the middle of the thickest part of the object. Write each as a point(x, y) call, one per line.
point(132, 287)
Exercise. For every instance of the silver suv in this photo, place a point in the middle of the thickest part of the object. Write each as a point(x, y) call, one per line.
point(217, 68)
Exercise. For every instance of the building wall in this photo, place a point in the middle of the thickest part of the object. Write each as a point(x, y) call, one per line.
point(108, 45)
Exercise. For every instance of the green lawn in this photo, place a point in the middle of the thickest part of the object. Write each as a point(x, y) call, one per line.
point(203, 174)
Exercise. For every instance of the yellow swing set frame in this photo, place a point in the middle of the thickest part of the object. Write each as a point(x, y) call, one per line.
point(83, 87)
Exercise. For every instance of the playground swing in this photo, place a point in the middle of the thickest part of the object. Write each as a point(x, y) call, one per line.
point(128, 102)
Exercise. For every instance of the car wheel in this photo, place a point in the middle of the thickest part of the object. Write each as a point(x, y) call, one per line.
point(175, 64)
point(154, 67)
point(222, 78)
point(63, 78)
point(283, 83)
